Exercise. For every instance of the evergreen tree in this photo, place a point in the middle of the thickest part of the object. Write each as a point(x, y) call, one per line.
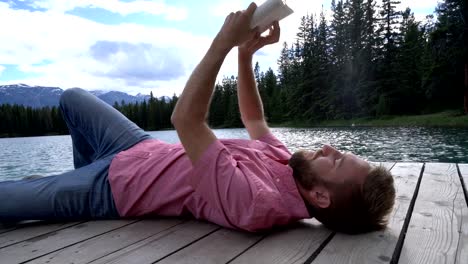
point(217, 111)
point(410, 66)
point(390, 38)
point(152, 112)
point(444, 83)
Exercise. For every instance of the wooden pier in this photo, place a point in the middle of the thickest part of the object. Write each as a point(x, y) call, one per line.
point(429, 224)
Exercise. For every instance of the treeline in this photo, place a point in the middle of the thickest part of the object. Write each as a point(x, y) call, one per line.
point(18, 120)
point(152, 115)
point(368, 61)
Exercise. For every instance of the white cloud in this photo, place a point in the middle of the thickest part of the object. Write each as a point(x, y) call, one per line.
point(116, 6)
point(223, 8)
point(57, 47)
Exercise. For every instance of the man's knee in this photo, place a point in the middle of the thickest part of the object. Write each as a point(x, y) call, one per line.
point(70, 95)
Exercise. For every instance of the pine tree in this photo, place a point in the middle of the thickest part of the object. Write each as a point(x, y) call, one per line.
point(152, 112)
point(390, 24)
point(390, 38)
point(410, 66)
point(338, 34)
point(444, 82)
point(217, 112)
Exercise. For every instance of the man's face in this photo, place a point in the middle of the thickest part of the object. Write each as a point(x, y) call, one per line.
point(330, 165)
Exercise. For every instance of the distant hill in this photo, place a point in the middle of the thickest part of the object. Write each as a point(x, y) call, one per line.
point(39, 96)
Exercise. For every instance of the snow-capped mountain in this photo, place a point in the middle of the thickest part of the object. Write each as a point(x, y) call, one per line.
point(39, 96)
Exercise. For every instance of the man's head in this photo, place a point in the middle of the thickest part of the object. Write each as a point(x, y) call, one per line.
point(344, 192)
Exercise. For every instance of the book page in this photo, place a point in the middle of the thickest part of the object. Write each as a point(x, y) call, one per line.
point(268, 12)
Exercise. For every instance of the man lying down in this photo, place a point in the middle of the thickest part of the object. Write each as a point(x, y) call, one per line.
point(252, 185)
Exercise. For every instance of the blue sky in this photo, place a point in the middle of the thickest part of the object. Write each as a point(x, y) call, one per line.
point(134, 46)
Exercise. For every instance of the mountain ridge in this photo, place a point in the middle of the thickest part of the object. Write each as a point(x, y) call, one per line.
point(42, 96)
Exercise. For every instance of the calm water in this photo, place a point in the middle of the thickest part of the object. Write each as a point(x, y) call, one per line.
point(52, 155)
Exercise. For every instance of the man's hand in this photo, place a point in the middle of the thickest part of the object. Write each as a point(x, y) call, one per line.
point(257, 42)
point(236, 29)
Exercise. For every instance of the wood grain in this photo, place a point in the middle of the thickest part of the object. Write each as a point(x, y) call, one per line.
point(160, 245)
point(219, 247)
point(6, 228)
point(464, 174)
point(377, 247)
point(291, 245)
point(462, 252)
point(44, 244)
point(388, 165)
point(437, 230)
point(31, 230)
point(108, 243)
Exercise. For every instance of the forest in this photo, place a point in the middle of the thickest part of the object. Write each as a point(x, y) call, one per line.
point(369, 61)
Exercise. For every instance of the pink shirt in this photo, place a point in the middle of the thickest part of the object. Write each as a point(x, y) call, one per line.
point(242, 184)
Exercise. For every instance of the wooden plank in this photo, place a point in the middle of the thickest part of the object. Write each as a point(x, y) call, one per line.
point(464, 174)
point(292, 245)
point(462, 253)
point(6, 228)
point(437, 228)
point(107, 243)
point(41, 245)
point(377, 247)
point(160, 245)
point(388, 165)
point(219, 247)
point(28, 231)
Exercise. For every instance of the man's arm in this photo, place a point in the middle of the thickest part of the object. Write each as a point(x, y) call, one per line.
point(190, 112)
point(250, 102)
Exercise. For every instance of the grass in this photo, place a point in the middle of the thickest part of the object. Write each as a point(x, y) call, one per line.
point(442, 119)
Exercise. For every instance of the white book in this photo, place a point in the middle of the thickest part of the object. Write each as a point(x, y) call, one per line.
point(268, 12)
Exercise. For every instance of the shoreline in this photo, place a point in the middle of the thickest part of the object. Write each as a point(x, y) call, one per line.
point(446, 119)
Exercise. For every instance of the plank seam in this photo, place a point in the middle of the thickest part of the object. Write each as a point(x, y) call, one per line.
point(56, 230)
point(245, 250)
point(8, 229)
point(18, 225)
point(457, 251)
point(136, 242)
point(189, 244)
point(76, 243)
point(404, 229)
point(320, 248)
point(463, 183)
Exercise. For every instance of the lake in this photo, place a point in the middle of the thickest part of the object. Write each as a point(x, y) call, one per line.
point(50, 155)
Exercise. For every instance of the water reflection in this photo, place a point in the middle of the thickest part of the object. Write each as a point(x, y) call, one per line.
point(53, 155)
point(385, 144)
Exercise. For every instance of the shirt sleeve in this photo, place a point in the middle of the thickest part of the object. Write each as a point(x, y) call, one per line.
point(229, 193)
point(271, 139)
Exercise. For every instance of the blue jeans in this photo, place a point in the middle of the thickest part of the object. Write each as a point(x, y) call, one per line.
point(98, 133)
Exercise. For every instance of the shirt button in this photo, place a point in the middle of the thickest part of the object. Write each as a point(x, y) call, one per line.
point(277, 180)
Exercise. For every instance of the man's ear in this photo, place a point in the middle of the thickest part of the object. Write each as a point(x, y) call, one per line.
point(320, 196)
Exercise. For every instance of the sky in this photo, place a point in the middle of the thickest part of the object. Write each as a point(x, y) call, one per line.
point(132, 46)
